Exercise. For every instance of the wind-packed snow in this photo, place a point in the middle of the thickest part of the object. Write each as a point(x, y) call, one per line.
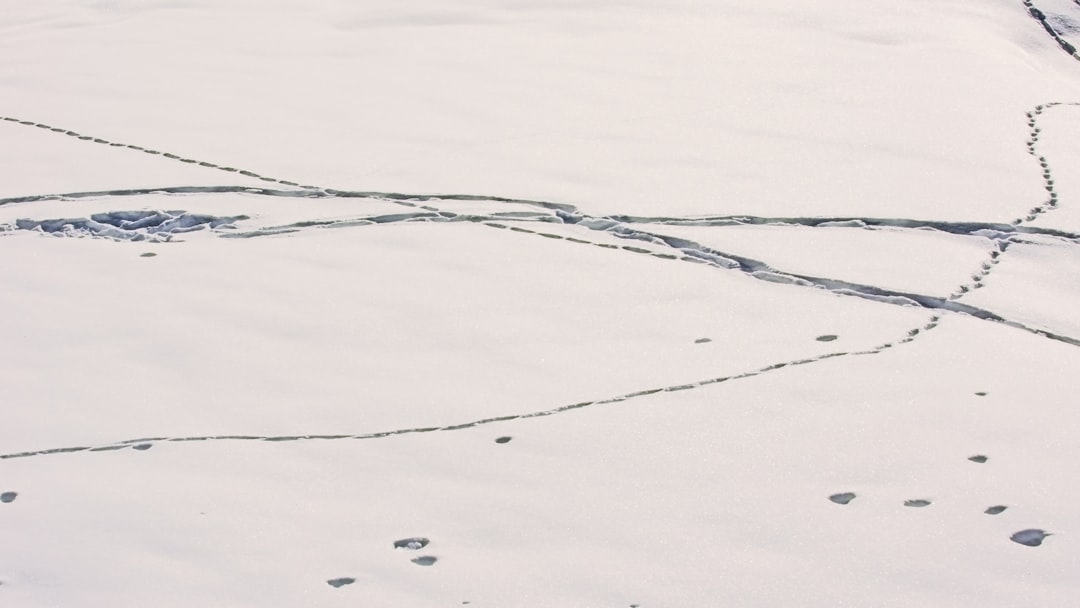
point(515, 303)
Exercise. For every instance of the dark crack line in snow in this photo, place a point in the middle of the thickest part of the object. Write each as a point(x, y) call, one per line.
point(1004, 241)
point(570, 214)
point(143, 443)
point(1040, 16)
point(178, 190)
point(694, 251)
point(980, 229)
point(684, 250)
point(687, 250)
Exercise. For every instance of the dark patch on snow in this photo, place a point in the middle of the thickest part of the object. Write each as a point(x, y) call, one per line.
point(1030, 537)
point(843, 498)
point(411, 544)
point(995, 510)
point(425, 560)
point(8, 497)
point(154, 226)
point(503, 439)
point(918, 502)
point(341, 582)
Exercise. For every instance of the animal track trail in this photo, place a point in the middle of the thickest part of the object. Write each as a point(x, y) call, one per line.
point(686, 251)
point(169, 155)
point(145, 443)
point(415, 544)
point(1030, 537)
point(690, 251)
point(1003, 240)
point(618, 226)
point(162, 226)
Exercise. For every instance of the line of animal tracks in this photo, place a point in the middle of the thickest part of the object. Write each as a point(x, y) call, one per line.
point(530, 217)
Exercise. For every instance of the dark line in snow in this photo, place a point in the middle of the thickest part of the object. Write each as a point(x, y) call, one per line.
point(980, 229)
point(169, 155)
point(618, 225)
point(143, 443)
point(1040, 16)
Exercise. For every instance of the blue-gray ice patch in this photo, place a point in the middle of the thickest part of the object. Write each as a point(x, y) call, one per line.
point(154, 226)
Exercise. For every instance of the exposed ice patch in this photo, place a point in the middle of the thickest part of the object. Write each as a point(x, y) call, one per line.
point(157, 226)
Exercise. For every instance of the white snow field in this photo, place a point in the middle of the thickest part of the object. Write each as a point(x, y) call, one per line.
point(498, 303)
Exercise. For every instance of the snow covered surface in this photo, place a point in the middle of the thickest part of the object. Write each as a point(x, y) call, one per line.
point(515, 303)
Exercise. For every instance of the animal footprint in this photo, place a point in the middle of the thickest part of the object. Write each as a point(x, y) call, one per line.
point(503, 440)
point(917, 503)
point(411, 544)
point(996, 510)
point(826, 338)
point(341, 582)
point(8, 496)
point(979, 459)
point(843, 499)
point(1030, 537)
point(424, 560)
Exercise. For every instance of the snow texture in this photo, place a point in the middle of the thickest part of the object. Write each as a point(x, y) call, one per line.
point(589, 303)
